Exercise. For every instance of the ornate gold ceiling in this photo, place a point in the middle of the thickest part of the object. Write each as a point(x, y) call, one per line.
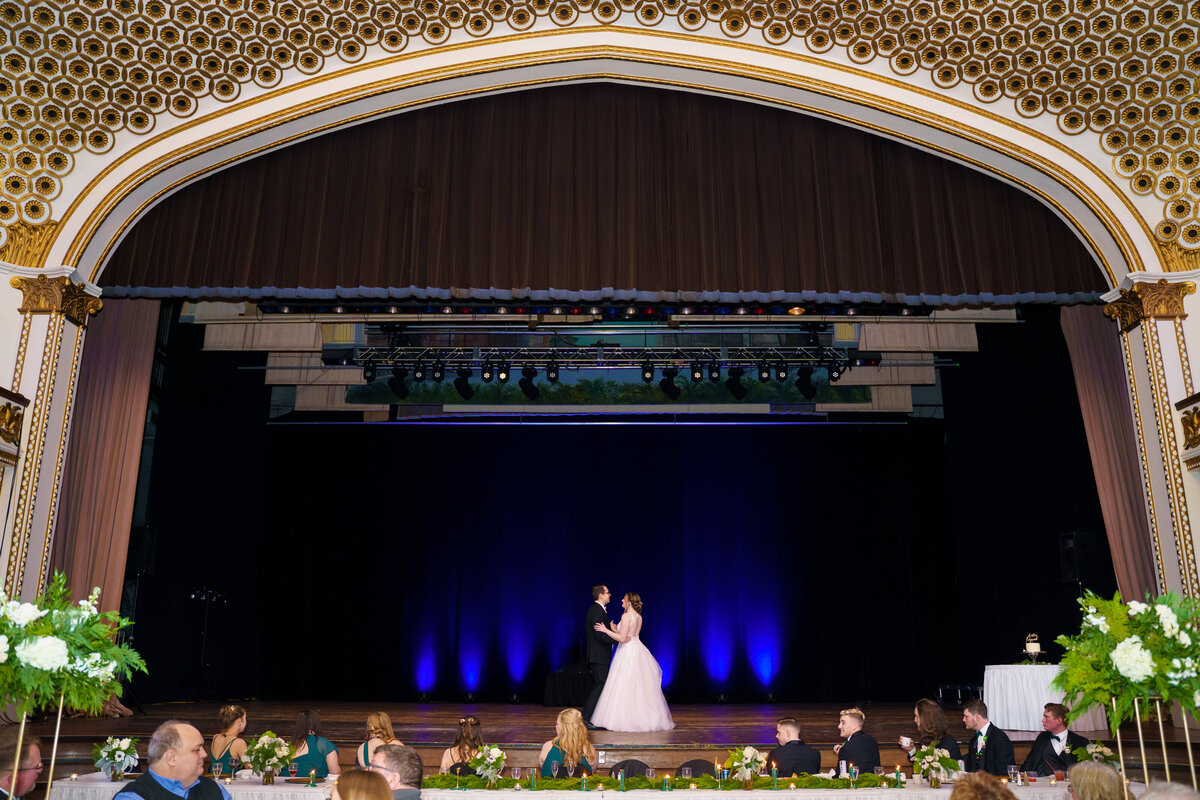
point(77, 75)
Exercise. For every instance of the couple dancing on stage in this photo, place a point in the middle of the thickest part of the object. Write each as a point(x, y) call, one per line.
point(628, 693)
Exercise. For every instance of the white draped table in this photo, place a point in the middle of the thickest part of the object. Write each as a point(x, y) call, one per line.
point(1017, 693)
point(89, 787)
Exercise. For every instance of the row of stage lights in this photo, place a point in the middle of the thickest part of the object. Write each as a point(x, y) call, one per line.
point(501, 371)
point(610, 312)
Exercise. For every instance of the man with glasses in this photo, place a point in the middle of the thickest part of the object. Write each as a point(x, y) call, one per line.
point(18, 785)
point(176, 755)
point(401, 767)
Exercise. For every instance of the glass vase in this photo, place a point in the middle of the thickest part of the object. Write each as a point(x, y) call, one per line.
point(268, 777)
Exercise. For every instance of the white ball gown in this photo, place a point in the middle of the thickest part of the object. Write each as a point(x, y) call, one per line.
point(632, 699)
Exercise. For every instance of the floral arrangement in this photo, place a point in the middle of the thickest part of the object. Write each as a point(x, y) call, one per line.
point(54, 649)
point(745, 762)
point(927, 760)
point(269, 752)
point(1132, 650)
point(1095, 752)
point(488, 763)
point(703, 782)
point(116, 756)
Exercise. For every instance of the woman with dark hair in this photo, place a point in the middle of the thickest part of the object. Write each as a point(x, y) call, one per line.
point(467, 743)
point(931, 729)
point(632, 698)
point(379, 731)
point(313, 751)
point(228, 746)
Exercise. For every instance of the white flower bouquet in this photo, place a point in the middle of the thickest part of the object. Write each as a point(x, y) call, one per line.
point(745, 762)
point(488, 763)
point(116, 756)
point(1095, 752)
point(269, 753)
point(933, 759)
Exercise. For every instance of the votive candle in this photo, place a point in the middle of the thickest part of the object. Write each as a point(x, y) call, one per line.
point(692, 787)
point(583, 783)
point(791, 786)
point(74, 776)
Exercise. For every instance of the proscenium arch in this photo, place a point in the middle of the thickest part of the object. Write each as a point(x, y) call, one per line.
point(1014, 152)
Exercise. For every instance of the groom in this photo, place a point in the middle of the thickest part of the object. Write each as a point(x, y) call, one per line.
point(599, 649)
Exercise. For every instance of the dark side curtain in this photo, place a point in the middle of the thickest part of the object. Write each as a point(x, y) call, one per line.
point(604, 191)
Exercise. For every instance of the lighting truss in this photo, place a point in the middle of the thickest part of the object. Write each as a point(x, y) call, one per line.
point(601, 356)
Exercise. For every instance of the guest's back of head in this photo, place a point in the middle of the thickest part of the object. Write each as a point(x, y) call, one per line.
point(1161, 790)
point(361, 784)
point(307, 721)
point(404, 762)
point(379, 726)
point(980, 786)
point(933, 722)
point(1094, 780)
point(468, 739)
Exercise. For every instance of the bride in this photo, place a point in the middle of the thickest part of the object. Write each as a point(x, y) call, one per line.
point(632, 699)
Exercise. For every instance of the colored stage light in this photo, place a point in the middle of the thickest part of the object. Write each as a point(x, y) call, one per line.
point(420, 372)
point(369, 373)
point(697, 372)
point(647, 372)
point(438, 372)
point(714, 372)
point(552, 372)
point(781, 371)
point(487, 372)
point(502, 372)
point(764, 371)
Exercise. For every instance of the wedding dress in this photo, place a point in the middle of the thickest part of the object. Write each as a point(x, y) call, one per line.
point(632, 699)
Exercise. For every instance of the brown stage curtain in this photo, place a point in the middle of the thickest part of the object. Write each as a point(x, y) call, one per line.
point(604, 191)
point(100, 476)
point(1101, 382)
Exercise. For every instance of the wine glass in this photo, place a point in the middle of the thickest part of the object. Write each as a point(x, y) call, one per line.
point(554, 769)
point(516, 773)
point(293, 769)
point(217, 767)
point(685, 772)
point(649, 773)
point(570, 769)
point(878, 770)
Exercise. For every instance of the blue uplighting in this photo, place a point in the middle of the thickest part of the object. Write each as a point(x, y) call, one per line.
point(469, 663)
point(518, 650)
point(426, 666)
point(718, 654)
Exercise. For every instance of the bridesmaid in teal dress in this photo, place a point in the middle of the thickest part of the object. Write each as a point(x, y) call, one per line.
point(379, 731)
point(228, 746)
point(569, 746)
point(313, 751)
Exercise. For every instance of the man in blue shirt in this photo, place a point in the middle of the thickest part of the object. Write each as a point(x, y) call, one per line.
point(176, 755)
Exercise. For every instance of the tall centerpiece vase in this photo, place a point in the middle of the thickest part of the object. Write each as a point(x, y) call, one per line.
point(748, 784)
point(935, 779)
point(268, 777)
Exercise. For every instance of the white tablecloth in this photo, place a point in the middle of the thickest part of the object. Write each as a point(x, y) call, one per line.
point(89, 787)
point(1040, 792)
point(1016, 694)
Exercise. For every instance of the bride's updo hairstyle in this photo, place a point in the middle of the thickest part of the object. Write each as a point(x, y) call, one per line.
point(635, 601)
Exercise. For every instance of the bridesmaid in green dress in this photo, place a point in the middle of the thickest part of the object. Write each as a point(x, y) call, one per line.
point(313, 751)
point(379, 731)
point(569, 746)
point(228, 746)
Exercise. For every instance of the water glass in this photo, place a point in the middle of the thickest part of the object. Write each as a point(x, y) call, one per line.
point(650, 773)
point(853, 773)
point(1013, 773)
point(516, 773)
point(879, 770)
point(685, 772)
point(554, 769)
point(217, 766)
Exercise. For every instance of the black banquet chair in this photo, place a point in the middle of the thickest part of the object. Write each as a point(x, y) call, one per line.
point(633, 768)
point(699, 767)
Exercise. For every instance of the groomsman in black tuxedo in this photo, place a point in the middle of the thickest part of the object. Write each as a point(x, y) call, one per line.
point(1051, 750)
point(989, 749)
point(793, 756)
point(599, 648)
point(859, 749)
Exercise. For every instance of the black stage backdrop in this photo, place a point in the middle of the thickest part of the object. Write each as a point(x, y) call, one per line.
point(842, 563)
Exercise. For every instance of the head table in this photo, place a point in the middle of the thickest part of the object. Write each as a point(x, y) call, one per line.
point(84, 789)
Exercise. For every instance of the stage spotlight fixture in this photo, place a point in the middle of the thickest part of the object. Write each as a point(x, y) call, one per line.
point(439, 371)
point(396, 382)
point(734, 383)
point(697, 372)
point(526, 383)
point(369, 373)
point(647, 372)
point(462, 384)
point(764, 371)
point(552, 372)
point(714, 372)
point(667, 384)
point(781, 371)
point(420, 373)
point(836, 370)
point(502, 372)
point(804, 383)
point(487, 372)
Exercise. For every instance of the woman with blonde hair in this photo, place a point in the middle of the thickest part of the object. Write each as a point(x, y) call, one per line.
point(379, 731)
point(361, 784)
point(570, 745)
point(228, 746)
point(1094, 780)
point(467, 742)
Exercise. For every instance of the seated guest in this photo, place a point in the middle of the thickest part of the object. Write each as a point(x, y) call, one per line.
point(467, 742)
point(859, 749)
point(359, 784)
point(1094, 780)
point(569, 746)
point(401, 767)
point(228, 746)
point(1052, 748)
point(989, 750)
point(15, 786)
point(313, 751)
point(379, 731)
point(176, 755)
point(793, 756)
point(1159, 790)
point(931, 729)
point(981, 786)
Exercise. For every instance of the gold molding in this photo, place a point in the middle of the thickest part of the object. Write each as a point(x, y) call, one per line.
point(52, 514)
point(27, 243)
point(1131, 376)
point(22, 346)
point(43, 295)
point(1192, 463)
point(11, 415)
point(78, 305)
point(1162, 299)
point(1126, 310)
point(1179, 259)
point(1185, 364)
point(1191, 428)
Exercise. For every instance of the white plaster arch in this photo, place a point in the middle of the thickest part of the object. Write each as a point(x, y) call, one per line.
point(1008, 147)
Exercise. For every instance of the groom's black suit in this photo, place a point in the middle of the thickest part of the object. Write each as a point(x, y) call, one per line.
point(599, 654)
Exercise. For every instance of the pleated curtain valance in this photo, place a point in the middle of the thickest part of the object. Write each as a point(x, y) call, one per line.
point(604, 192)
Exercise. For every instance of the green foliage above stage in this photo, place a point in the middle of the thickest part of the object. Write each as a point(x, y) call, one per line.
point(600, 391)
point(871, 781)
